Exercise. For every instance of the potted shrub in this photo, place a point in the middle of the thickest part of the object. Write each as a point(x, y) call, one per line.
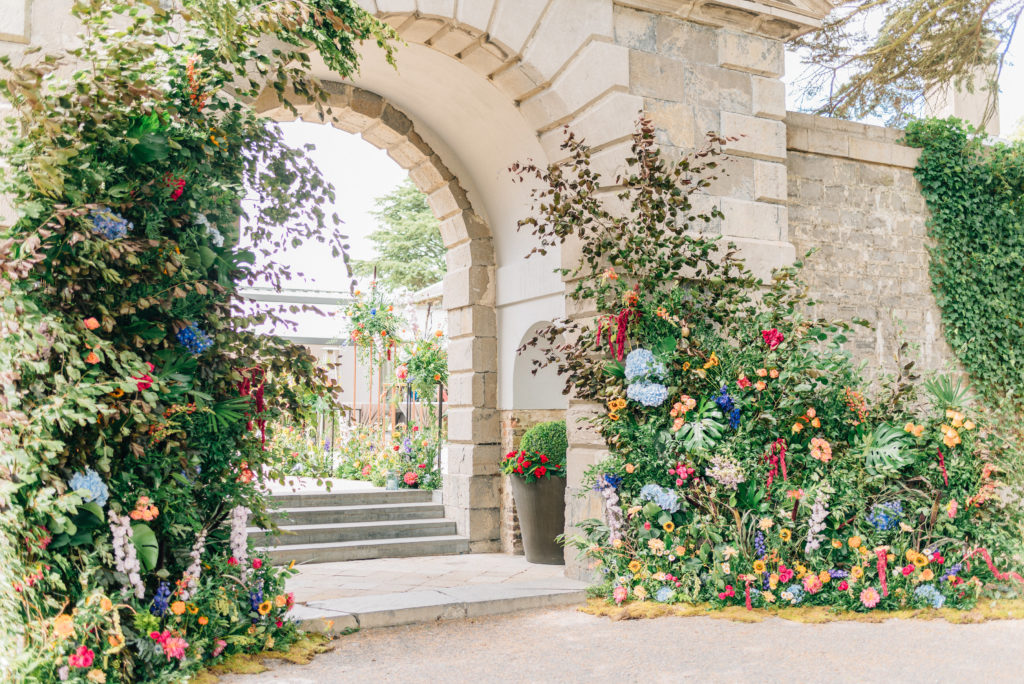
point(537, 473)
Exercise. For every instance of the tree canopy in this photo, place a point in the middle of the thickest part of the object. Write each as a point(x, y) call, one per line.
point(410, 252)
point(884, 57)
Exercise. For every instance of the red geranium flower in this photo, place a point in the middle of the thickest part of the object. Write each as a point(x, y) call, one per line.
point(540, 471)
point(543, 458)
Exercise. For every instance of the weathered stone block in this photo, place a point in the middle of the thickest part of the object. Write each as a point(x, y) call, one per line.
point(769, 182)
point(472, 320)
point(473, 354)
point(581, 431)
point(473, 425)
point(477, 252)
point(659, 77)
point(514, 81)
point(611, 118)
point(473, 388)
point(484, 58)
point(674, 123)
point(753, 54)
point(753, 219)
point(474, 459)
point(689, 42)
point(769, 99)
point(514, 20)
point(430, 175)
point(420, 30)
point(469, 286)
point(452, 41)
point(564, 27)
point(758, 138)
point(635, 29)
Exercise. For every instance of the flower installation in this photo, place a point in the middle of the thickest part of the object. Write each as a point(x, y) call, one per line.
point(749, 462)
point(135, 395)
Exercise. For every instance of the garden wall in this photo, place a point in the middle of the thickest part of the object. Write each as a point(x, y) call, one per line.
point(853, 197)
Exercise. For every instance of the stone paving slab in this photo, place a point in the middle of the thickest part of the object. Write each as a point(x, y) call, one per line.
point(387, 592)
point(416, 607)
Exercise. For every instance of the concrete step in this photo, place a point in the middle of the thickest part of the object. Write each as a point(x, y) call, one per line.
point(360, 550)
point(291, 535)
point(379, 496)
point(311, 515)
point(413, 607)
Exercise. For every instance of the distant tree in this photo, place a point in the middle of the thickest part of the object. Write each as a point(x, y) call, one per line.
point(884, 57)
point(408, 242)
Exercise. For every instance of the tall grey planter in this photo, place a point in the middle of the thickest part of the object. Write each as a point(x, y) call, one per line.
point(540, 506)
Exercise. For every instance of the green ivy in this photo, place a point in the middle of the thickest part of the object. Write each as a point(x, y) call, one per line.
point(975, 192)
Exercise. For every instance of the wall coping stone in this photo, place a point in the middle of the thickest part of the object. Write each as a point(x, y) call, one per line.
point(849, 140)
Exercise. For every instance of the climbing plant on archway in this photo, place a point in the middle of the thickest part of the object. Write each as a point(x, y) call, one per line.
point(135, 399)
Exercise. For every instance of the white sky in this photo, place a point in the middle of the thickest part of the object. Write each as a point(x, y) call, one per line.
point(360, 172)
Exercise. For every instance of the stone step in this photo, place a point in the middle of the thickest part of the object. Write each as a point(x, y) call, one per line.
point(362, 550)
point(310, 515)
point(292, 535)
point(467, 601)
point(380, 496)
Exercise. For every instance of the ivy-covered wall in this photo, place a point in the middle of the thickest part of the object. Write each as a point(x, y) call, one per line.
point(853, 197)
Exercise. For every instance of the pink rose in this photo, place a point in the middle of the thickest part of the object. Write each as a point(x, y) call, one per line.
point(82, 657)
point(257, 563)
point(773, 338)
point(619, 594)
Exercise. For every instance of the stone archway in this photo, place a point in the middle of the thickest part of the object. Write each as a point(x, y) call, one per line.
point(470, 492)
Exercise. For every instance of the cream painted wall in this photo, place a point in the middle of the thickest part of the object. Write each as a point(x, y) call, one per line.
point(478, 132)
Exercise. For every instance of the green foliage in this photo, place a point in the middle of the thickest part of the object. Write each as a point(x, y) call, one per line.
point(425, 365)
point(744, 446)
point(547, 438)
point(873, 58)
point(124, 360)
point(410, 253)
point(373, 325)
point(974, 193)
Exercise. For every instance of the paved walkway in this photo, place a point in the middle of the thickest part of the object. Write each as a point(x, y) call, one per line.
point(323, 581)
point(567, 646)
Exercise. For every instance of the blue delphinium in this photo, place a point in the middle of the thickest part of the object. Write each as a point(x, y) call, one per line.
point(641, 364)
point(885, 516)
point(90, 479)
point(109, 224)
point(724, 401)
point(663, 594)
point(734, 418)
point(647, 393)
point(161, 599)
point(608, 479)
point(928, 592)
point(192, 338)
point(666, 499)
point(760, 548)
point(838, 574)
point(952, 571)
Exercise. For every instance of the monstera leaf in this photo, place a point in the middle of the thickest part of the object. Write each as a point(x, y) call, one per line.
point(885, 451)
point(704, 428)
point(145, 545)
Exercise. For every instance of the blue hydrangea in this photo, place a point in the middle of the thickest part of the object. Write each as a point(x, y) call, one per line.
point(663, 594)
point(194, 339)
point(666, 499)
point(928, 593)
point(109, 223)
point(885, 516)
point(797, 592)
point(90, 480)
point(647, 393)
point(641, 364)
point(373, 312)
point(161, 599)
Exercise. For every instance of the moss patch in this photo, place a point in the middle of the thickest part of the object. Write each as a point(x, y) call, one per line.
point(640, 610)
point(302, 652)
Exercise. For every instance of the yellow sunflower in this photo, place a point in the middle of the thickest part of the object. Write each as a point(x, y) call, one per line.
point(785, 535)
point(856, 572)
point(759, 566)
point(265, 607)
point(669, 526)
point(634, 566)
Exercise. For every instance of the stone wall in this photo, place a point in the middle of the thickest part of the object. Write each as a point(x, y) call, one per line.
point(853, 197)
point(514, 424)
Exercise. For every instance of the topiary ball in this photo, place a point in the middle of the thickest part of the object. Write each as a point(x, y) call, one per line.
point(549, 439)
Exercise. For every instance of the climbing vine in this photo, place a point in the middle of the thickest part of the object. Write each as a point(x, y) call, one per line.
point(135, 400)
point(975, 192)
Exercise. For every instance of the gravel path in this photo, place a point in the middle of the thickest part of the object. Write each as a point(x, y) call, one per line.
point(563, 645)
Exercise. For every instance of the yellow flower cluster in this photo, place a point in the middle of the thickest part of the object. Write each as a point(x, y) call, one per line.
point(614, 406)
point(951, 432)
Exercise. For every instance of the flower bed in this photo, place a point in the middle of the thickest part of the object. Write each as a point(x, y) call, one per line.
point(136, 401)
point(750, 464)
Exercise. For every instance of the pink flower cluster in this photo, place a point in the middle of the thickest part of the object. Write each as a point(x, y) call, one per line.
point(682, 472)
point(174, 646)
point(773, 338)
